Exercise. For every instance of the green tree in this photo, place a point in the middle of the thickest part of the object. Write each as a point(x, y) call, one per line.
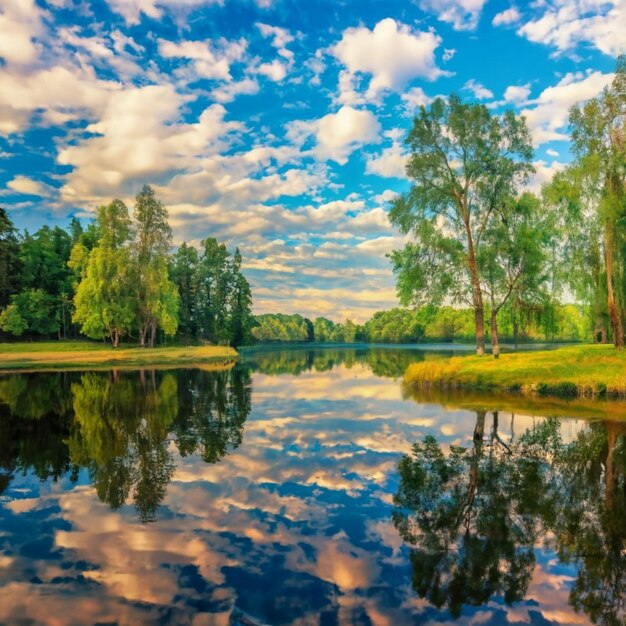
point(157, 297)
point(105, 297)
point(10, 263)
point(32, 311)
point(241, 318)
point(513, 256)
point(599, 144)
point(214, 278)
point(463, 163)
point(183, 272)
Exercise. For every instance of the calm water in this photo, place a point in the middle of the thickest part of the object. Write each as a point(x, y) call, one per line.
point(278, 493)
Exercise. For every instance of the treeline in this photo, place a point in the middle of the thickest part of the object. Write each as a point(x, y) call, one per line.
point(118, 278)
point(549, 321)
point(477, 239)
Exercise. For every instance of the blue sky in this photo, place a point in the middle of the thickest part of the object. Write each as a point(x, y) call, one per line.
point(275, 125)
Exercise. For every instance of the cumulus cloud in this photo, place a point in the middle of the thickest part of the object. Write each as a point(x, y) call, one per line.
point(462, 14)
point(544, 173)
point(478, 90)
point(517, 93)
point(390, 163)
point(131, 10)
point(210, 59)
point(506, 17)
point(20, 24)
point(30, 187)
point(57, 94)
point(392, 54)
point(564, 24)
point(548, 117)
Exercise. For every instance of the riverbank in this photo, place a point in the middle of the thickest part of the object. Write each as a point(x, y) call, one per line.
point(85, 355)
point(586, 371)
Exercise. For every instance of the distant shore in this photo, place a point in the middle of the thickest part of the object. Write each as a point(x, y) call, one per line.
point(86, 355)
point(583, 371)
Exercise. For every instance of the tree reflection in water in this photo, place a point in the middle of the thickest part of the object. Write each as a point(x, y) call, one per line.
point(473, 516)
point(119, 426)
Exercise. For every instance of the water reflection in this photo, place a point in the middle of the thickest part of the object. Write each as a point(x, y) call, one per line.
point(269, 491)
point(474, 515)
point(119, 427)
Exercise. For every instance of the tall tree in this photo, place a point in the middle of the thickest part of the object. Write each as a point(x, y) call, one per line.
point(157, 303)
point(183, 271)
point(513, 255)
point(241, 319)
point(214, 278)
point(463, 162)
point(599, 143)
point(105, 298)
point(10, 265)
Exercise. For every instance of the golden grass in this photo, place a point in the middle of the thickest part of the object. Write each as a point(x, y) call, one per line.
point(590, 370)
point(83, 355)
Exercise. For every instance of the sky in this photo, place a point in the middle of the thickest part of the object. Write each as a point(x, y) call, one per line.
point(276, 125)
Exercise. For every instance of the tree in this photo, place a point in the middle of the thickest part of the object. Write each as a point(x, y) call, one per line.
point(32, 311)
point(214, 278)
point(241, 319)
point(599, 144)
point(157, 303)
point(183, 272)
point(105, 298)
point(10, 264)
point(512, 258)
point(464, 162)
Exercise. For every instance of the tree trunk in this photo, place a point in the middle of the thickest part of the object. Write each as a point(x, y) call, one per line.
point(116, 338)
point(477, 296)
point(495, 345)
point(153, 334)
point(479, 429)
point(614, 314)
point(142, 336)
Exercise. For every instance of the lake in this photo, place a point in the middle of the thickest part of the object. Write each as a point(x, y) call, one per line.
point(280, 492)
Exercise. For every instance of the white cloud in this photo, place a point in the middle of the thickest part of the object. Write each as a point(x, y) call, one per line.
point(391, 53)
point(336, 135)
point(509, 16)
point(210, 59)
point(30, 187)
point(480, 91)
point(462, 14)
point(59, 94)
point(138, 137)
point(415, 98)
point(548, 118)
point(564, 24)
point(543, 174)
point(20, 24)
point(276, 70)
point(390, 163)
point(517, 93)
point(552, 153)
point(131, 10)
point(229, 91)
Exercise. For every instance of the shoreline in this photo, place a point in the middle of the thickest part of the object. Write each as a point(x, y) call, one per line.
point(584, 371)
point(67, 356)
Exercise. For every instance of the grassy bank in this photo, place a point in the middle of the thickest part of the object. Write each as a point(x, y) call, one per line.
point(574, 372)
point(84, 355)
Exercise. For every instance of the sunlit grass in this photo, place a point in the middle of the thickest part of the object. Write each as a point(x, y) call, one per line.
point(85, 355)
point(585, 371)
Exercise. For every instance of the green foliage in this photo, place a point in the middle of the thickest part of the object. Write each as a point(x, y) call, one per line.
point(105, 298)
point(10, 262)
point(32, 311)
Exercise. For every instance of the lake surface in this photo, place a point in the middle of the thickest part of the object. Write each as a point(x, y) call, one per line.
point(279, 493)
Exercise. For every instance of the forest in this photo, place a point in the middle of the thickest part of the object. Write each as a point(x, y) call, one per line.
point(118, 278)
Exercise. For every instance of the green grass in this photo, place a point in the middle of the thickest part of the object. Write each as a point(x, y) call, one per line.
point(84, 355)
point(586, 371)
